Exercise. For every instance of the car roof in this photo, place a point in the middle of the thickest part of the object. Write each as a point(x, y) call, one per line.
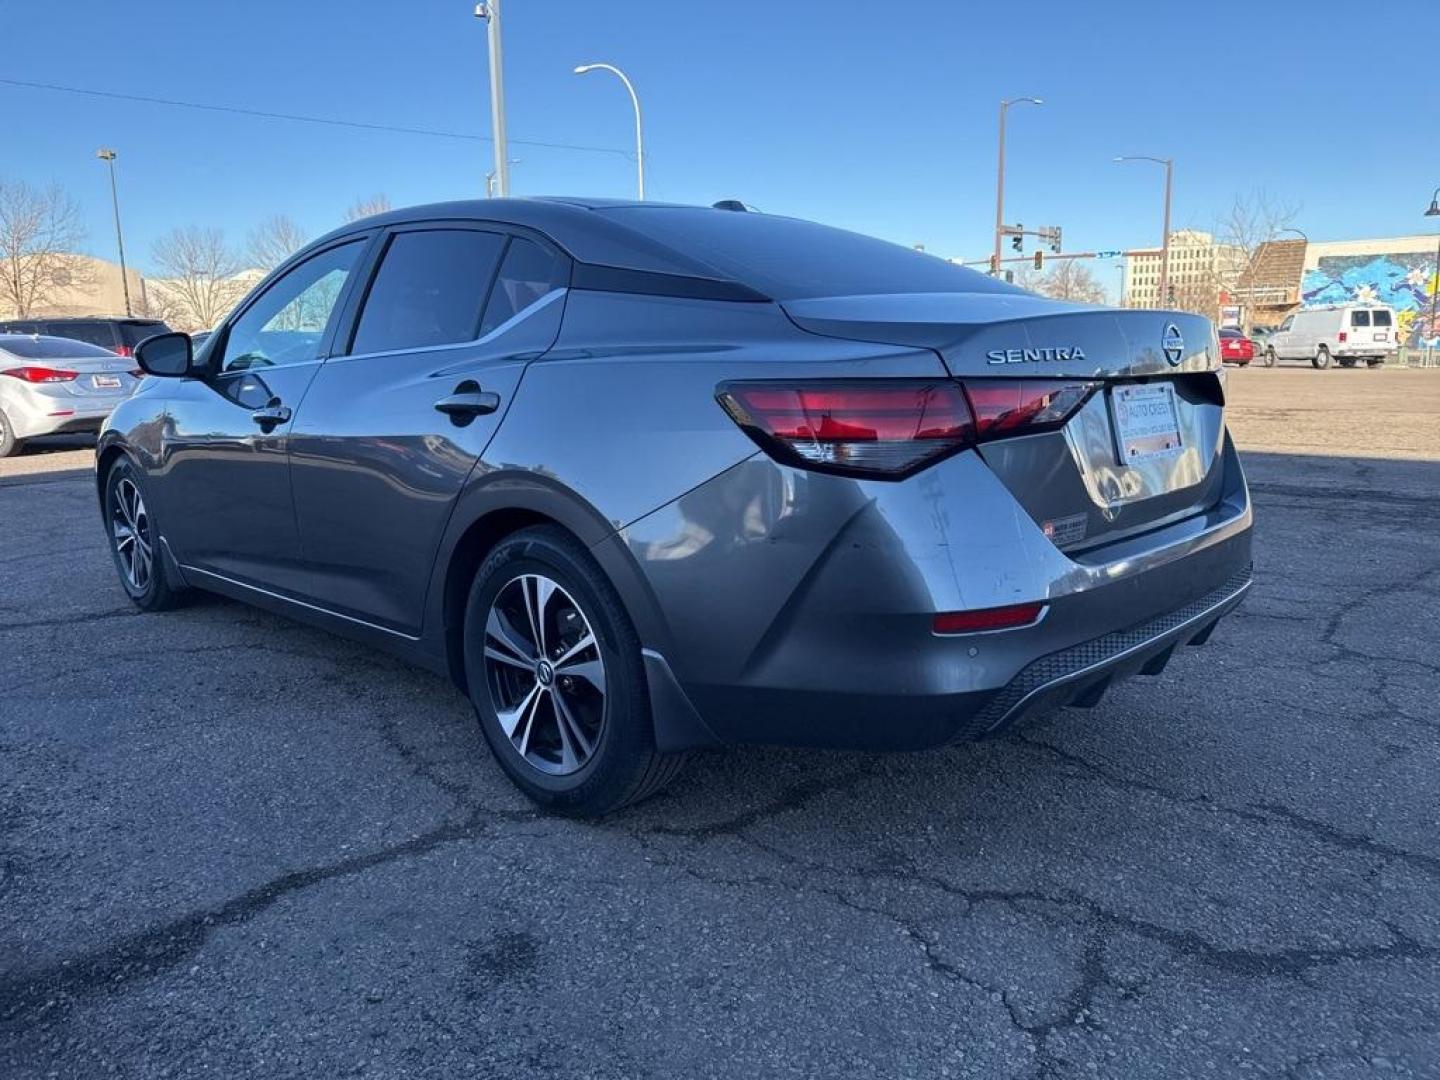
point(573, 223)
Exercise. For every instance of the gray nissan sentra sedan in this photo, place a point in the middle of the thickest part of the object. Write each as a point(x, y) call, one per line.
point(647, 479)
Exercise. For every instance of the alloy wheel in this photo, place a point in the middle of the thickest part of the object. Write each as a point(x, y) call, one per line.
point(130, 530)
point(545, 674)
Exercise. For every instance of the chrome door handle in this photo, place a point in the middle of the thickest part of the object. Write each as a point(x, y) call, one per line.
point(466, 404)
point(272, 414)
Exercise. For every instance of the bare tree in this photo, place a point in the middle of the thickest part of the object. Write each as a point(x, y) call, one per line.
point(273, 241)
point(198, 275)
point(1070, 279)
point(1252, 220)
point(375, 204)
point(39, 233)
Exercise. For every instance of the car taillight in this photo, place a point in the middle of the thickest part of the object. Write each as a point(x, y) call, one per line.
point(1024, 406)
point(1342, 335)
point(863, 427)
point(980, 620)
point(124, 350)
point(32, 374)
point(891, 428)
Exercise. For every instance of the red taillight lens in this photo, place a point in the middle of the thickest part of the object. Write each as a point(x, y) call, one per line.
point(1009, 617)
point(869, 427)
point(124, 350)
point(33, 374)
point(1342, 335)
point(1024, 406)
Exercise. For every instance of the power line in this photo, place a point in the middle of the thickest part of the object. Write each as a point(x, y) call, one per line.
point(301, 119)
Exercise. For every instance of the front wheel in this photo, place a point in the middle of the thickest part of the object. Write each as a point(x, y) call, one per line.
point(1322, 358)
point(1269, 357)
point(135, 541)
point(555, 674)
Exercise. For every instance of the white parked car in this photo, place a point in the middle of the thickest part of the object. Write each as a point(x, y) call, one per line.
point(51, 385)
point(1343, 332)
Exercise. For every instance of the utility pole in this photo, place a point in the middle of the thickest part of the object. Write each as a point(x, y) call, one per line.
point(1000, 174)
point(489, 12)
point(1169, 164)
point(634, 101)
point(109, 156)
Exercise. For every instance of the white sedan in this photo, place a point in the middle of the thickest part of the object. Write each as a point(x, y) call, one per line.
point(50, 385)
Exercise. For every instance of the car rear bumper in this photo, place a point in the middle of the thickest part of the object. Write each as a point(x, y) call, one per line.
point(776, 637)
point(30, 424)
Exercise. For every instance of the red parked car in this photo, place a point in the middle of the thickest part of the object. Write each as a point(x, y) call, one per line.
point(1235, 347)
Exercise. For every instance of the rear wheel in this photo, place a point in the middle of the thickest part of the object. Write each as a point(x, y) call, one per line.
point(9, 444)
point(555, 674)
point(1269, 357)
point(135, 541)
point(1375, 361)
point(1322, 358)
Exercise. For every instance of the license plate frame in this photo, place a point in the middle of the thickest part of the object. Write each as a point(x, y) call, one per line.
point(105, 382)
point(1145, 421)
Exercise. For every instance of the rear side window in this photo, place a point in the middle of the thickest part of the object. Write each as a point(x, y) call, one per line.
point(134, 333)
point(96, 333)
point(789, 259)
point(1359, 318)
point(1382, 318)
point(528, 274)
point(429, 290)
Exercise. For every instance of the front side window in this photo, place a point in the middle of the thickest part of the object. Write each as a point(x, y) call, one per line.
point(528, 274)
point(428, 291)
point(287, 323)
point(1286, 324)
point(1359, 318)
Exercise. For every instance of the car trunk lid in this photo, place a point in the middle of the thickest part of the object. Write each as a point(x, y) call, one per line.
point(1142, 451)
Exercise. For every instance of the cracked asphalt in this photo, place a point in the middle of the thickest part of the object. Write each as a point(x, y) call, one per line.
point(235, 846)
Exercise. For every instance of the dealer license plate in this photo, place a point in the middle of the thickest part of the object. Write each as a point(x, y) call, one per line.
point(1147, 424)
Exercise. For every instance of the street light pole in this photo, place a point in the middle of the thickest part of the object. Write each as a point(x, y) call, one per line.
point(489, 12)
point(1434, 211)
point(1169, 164)
point(109, 157)
point(1000, 175)
point(639, 134)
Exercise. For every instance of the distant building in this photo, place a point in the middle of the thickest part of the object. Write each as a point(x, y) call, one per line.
point(1200, 272)
point(91, 288)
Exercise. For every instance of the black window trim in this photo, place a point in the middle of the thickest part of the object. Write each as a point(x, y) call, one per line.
point(595, 277)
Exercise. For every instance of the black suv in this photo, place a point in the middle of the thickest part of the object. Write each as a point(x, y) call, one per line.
point(118, 335)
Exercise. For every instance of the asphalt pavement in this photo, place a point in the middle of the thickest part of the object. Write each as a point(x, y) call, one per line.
point(235, 846)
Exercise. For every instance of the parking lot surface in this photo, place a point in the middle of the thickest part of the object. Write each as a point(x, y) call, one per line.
point(235, 846)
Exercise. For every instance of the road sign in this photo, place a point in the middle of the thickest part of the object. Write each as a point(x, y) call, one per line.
point(1108, 254)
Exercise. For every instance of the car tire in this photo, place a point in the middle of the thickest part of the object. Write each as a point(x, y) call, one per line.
point(1269, 357)
point(1375, 362)
point(1322, 358)
point(10, 445)
point(577, 742)
point(135, 541)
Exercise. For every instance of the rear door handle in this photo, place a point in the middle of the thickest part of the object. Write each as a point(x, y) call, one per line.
point(272, 414)
point(466, 404)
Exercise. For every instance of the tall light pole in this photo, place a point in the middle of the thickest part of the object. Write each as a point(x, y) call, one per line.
point(1434, 211)
point(1169, 164)
point(1000, 174)
point(109, 156)
point(489, 12)
point(639, 134)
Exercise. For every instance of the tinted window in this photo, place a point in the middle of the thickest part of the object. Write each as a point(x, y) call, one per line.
point(528, 273)
point(97, 333)
point(134, 333)
point(1382, 318)
point(38, 348)
point(286, 324)
point(1359, 318)
point(1230, 332)
point(429, 290)
point(786, 258)
point(19, 328)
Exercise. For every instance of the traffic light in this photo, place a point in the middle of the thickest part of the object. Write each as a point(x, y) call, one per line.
point(1039, 260)
point(1017, 241)
point(1055, 239)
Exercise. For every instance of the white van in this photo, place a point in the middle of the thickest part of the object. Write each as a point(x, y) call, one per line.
point(1346, 332)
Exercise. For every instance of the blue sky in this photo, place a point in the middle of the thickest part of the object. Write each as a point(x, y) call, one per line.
point(877, 116)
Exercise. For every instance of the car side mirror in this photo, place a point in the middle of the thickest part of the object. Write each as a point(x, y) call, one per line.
point(166, 355)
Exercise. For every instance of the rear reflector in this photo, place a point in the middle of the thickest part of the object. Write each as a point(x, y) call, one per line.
point(33, 374)
point(1010, 617)
point(869, 427)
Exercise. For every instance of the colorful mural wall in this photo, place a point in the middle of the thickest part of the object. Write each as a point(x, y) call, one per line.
point(1405, 281)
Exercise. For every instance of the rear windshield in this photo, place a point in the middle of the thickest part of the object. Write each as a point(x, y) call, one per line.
point(50, 348)
point(97, 333)
point(1230, 332)
point(1382, 318)
point(1359, 318)
point(134, 333)
point(789, 259)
